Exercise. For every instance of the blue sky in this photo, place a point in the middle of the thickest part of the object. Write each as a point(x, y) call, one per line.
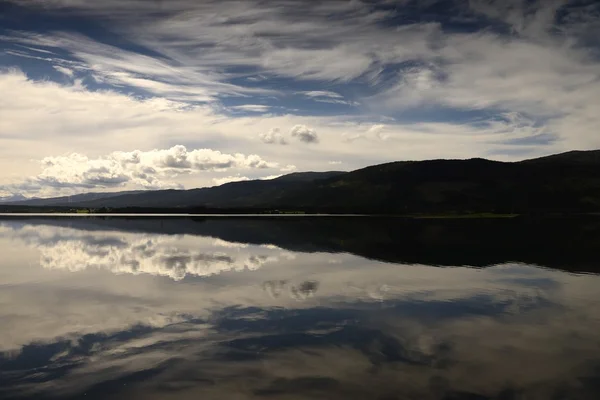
point(123, 94)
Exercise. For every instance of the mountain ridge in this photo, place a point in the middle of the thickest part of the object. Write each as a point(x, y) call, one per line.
point(566, 182)
point(74, 199)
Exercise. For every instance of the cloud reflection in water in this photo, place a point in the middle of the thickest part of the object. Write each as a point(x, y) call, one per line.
point(160, 255)
point(287, 325)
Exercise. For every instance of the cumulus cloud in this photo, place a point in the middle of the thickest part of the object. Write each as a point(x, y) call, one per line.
point(304, 134)
point(273, 136)
point(146, 169)
point(300, 132)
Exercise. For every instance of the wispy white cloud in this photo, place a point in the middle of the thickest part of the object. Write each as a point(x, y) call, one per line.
point(554, 84)
point(258, 108)
point(157, 76)
point(532, 19)
point(321, 93)
point(37, 50)
point(269, 37)
point(323, 96)
point(64, 70)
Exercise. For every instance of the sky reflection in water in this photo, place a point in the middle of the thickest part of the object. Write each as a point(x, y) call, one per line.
point(156, 309)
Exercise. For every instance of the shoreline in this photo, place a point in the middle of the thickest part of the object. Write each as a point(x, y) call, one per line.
point(473, 216)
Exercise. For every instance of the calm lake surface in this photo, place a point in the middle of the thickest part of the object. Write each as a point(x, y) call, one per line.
point(299, 308)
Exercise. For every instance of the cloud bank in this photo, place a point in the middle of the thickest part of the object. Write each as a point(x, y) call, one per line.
point(143, 169)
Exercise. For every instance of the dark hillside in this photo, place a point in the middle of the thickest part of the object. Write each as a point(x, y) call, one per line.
point(563, 183)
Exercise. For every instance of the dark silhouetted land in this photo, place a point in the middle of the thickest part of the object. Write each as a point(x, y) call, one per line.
point(563, 183)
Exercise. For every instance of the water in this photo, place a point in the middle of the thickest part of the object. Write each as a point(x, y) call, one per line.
point(315, 308)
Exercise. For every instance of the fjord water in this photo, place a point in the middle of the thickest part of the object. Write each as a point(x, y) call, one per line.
point(316, 308)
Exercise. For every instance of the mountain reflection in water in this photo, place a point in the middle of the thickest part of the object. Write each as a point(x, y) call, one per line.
point(361, 308)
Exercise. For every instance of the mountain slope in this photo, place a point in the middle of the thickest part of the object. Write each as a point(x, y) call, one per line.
point(568, 182)
point(69, 200)
point(12, 199)
point(234, 194)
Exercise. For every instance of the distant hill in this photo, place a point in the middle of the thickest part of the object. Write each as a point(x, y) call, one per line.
point(230, 195)
point(568, 182)
point(308, 176)
point(235, 194)
point(67, 200)
point(13, 198)
point(576, 157)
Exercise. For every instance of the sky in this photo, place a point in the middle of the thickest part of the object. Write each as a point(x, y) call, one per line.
point(148, 94)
